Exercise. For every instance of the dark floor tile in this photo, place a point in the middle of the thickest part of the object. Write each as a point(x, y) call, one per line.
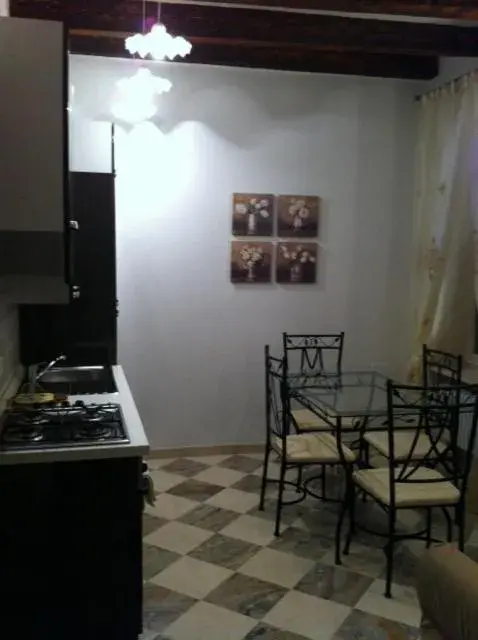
point(364, 626)
point(161, 607)
point(224, 551)
point(246, 595)
point(195, 490)
point(185, 467)
point(208, 517)
point(151, 523)
point(249, 483)
point(265, 632)
point(302, 543)
point(156, 559)
point(241, 463)
point(334, 583)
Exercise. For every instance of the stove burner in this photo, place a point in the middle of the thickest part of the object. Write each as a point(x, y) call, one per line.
point(93, 432)
point(31, 419)
point(24, 434)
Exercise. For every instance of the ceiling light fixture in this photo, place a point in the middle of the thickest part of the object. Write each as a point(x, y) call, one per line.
point(158, 43)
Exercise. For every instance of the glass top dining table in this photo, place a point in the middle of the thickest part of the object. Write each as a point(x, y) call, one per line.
point(349, 394)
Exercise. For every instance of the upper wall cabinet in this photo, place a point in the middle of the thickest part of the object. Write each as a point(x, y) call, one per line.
point(91, 147)
point(33, 160)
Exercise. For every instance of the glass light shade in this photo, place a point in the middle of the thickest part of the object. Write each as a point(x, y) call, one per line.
point(159, 44)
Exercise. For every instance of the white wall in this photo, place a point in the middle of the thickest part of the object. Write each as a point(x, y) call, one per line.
point(450, 69)
point(190, 341)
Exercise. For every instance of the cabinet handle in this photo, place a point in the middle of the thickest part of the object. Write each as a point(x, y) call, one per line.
point(73, 228)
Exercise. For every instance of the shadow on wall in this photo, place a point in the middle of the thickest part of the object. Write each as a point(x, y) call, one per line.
point(225, 100)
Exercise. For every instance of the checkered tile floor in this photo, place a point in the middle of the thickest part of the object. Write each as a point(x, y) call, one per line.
point(213, 569)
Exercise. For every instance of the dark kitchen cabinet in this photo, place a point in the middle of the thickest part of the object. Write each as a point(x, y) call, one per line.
point(70, 540)
point(34, 196)
point(85, 329)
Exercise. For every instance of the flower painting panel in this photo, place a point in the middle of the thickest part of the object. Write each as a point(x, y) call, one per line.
point(253, 214)
point(296, 263)
point(298, 216)
point(251, 261)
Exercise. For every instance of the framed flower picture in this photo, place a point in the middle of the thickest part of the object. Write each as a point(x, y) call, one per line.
point(298, 216)
point(253, 214)
point(296, 263)
point(251, 262)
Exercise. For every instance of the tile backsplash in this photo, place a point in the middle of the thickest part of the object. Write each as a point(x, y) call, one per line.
point(9, 352)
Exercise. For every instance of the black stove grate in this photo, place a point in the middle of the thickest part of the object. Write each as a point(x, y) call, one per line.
point(62, 425)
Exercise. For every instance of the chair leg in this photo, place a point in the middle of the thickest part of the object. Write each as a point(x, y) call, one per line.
point(351, 531)
point(340, 521)
point(389, 551)
point(460, 516)
point(264, 477)
point(299, 479)
point(323, 481)
point(449, 525)
point(429, 528)
point(279, 498)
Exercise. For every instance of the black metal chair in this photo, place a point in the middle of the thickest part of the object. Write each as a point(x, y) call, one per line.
point(437, 478)
point(296, 450)
point(313, 355)
point(440, 367)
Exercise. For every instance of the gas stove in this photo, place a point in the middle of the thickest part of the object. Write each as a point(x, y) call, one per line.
point(62, 425)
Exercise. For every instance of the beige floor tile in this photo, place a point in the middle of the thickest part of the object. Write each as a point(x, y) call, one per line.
point(255, 456)
point(402, 607)
point(235, 500)
point(211, 460)
point(178, 537)
point(251, 529)
point(206, 621)
point(219, 476)
point(280, 568)
point(163, 481)
point(157, 463)
point(171, 507)
point(308, 616)
point(192, 577)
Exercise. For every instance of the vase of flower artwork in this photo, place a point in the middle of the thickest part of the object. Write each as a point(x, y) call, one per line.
point(296, 257)
point(251, 256)
point(253, 209)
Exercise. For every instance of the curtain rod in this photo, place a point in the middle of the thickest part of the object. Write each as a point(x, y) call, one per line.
point(449, 83)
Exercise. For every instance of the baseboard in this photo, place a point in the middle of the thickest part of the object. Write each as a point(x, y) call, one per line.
point(210, 450)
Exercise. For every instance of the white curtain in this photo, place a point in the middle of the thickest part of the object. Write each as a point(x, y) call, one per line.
point(446, 222)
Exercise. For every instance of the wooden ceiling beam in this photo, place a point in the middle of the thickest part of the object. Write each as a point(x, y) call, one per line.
point(442, 9)
point(268, 56)
point(319, 32)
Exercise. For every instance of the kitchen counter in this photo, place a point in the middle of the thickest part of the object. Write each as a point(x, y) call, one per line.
point(137, 447)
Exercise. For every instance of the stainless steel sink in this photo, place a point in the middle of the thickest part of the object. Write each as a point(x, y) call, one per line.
point(78, 380)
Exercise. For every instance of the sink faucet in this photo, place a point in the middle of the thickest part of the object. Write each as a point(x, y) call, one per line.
point(35, 374)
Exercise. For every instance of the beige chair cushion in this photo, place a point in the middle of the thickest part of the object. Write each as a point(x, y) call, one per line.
point(407, 494)
point(403, 441)
point(314, 447)
point(307, 420)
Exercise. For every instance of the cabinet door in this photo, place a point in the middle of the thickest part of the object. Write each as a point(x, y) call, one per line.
point(33, 157)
